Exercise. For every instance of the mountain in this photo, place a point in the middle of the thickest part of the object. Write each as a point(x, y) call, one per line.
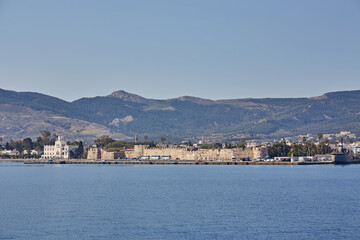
point(122, 115)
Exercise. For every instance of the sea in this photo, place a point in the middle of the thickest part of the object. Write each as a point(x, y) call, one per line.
point(179, 202)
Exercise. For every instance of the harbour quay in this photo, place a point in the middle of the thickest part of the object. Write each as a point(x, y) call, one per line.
point(168, 162)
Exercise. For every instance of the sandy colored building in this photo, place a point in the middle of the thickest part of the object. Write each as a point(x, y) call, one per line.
point(195, 154)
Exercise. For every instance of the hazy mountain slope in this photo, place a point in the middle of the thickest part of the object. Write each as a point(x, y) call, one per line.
point(17, 122)
point(34, 101)
point(125, 114)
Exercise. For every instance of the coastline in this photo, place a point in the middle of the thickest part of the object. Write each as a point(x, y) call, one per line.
point(170, 162)
point(166, 162)
point(12, 160)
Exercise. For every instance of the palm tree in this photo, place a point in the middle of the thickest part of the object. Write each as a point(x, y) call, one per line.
point(326, 140)
point(163, 139)
point(319, 136)
point(146, 138)
point(304, 139)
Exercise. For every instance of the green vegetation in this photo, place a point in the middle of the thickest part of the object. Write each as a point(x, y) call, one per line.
point(281, 149)
point(206, 146)
point(103, 141)
point(46, 138)
point(163, 140)
point(241, 145)
point(109, 143)
point(219, 145)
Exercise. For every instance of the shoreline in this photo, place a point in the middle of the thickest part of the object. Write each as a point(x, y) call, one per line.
point(14, 160)
point(166, 162)
point(170, 162)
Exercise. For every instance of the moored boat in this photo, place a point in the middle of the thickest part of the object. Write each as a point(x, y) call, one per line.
point(341, 158)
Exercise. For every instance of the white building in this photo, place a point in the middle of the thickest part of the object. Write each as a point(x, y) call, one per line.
point(32, 152)
point(355, 148)
point(9, 152)
point(59, 150)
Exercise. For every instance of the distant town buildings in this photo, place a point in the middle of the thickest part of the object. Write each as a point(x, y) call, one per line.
point(291, 148)
point(32, 152)
point(9, 152)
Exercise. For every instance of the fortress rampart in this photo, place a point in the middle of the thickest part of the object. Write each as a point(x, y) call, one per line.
point(96, 153)
point(180, 153)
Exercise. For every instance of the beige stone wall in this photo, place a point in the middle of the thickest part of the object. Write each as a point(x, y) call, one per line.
point(102, 154)
point(180, 153)
point(133, 154)
point(200, 154)
point(94, 153)
point(261, 152)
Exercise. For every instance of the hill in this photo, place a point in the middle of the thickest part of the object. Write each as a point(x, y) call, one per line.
point(122, 115)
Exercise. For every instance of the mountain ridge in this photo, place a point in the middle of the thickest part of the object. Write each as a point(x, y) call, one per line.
point(120, 93)
point(124, 114)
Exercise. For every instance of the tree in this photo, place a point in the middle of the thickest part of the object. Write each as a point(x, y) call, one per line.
point(217, 145)
point(328, 148)
point(280, 149)
point(103, 141)
point(7, 146)
point(39, 144)
point(205, 146)
point(241, 145)
point(79, 151)
point(319, 136)
point(163, 139)
point(18, 145)
point(146, 138)
point(28, 144)
point(45, 137)
point(304, 139)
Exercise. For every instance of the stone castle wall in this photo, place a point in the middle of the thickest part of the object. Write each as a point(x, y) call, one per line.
point(95, 153)
point(105, 155)
point(180, 153)
point(199, 154)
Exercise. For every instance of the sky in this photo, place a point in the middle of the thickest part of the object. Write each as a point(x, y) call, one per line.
point(162, 49)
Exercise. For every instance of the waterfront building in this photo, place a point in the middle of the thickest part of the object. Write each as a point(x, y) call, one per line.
point(32, 152)
point(9, 152)
point(324, 157)
point(355, 148)
point(59, 150)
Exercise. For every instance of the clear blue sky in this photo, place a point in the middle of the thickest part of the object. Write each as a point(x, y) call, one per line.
point(163, 49)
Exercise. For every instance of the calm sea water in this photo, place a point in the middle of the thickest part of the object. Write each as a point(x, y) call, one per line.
point(179, 202)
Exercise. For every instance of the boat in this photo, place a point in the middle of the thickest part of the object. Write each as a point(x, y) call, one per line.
point(342, 156)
